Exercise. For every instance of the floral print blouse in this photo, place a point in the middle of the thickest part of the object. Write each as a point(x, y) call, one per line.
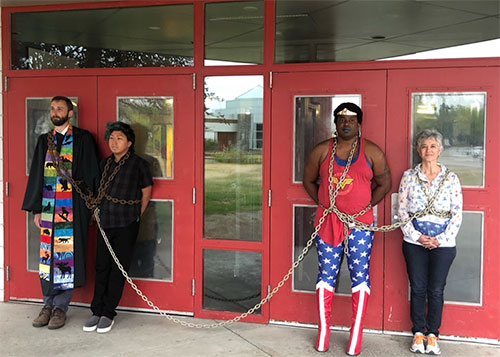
point(412, 199)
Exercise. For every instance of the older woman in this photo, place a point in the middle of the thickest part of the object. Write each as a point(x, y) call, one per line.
point(429, 241)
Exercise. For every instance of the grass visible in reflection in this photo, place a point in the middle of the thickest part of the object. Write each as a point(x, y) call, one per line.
point(232, 187)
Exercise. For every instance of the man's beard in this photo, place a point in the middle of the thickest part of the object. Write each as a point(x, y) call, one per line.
point(58, 121)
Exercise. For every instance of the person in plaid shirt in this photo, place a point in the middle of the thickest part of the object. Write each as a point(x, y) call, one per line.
point(133, 182)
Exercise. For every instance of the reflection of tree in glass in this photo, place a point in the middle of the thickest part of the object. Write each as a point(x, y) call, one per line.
point(50, 55)
point(208, 95)
point(460, 118)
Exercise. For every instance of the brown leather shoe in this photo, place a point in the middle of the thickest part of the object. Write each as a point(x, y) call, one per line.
point(57, 320)
point(43, 317)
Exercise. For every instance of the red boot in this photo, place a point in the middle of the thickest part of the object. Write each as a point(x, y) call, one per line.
point(360, 296)
point(324, 295)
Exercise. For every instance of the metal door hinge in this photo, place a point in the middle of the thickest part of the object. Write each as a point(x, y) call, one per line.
point(7, 273)
point(192, 287)
point(269, 198)
point(6, 84)
point(6, 188)
point(270, 80)
point(194, 81)
point(194, 195)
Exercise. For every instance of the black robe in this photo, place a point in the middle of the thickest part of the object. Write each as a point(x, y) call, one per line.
point(85, 167)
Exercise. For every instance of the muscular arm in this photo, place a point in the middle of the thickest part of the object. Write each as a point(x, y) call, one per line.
point(311, 169)
point(381, 172)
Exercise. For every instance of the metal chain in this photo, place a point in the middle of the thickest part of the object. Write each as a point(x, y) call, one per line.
point(348, 220)
point(90, 201)
point(103, 184)
point(62, 172)
point(222, 323)
point(272, 292)
point(435, 212)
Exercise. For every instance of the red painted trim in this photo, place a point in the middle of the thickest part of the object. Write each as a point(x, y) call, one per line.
point(269, 25)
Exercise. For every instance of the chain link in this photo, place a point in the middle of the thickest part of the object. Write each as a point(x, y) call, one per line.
point(90, 201)
point(348, 220)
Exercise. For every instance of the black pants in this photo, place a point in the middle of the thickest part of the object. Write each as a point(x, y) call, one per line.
point(109, 280)
point(427, 272)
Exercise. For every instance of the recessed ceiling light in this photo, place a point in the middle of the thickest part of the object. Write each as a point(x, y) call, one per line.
point(154, 28)
point(250, 8)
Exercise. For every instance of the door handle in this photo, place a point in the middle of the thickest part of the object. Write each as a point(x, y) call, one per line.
point(394, 208)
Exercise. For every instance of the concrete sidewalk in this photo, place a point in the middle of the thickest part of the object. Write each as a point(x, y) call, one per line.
point(144, 334)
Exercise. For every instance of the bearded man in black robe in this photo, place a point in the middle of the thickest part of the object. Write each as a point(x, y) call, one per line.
point(61, 214)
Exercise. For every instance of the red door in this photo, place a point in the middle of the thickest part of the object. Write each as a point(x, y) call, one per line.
point(28, 116)
point(160, 109)
point(462, 103)
point(303, 104)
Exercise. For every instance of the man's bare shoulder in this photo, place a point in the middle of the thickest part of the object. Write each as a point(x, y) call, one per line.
point(323, 145)
point(319, 152)
point(372, 148)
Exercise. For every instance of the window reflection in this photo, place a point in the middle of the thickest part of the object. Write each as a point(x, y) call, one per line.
point(38, 122)
point(233, 158)
point(464, 280)
point(153, 249)
point(231, 280)
point(152, 121)
point(461, 119)
point(314, 122)
point(103, 38)
point(234, 33)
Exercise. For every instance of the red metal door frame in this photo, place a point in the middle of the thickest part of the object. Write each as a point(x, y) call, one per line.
point(25, 284)
point(174, 295)
point(458, 319)
point(372, 86)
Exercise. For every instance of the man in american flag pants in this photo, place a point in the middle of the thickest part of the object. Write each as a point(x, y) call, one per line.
point(366, 181)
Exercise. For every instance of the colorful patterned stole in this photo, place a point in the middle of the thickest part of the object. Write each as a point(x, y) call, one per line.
point(57, 217)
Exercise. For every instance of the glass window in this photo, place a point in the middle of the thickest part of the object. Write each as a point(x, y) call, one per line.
point(152, 119)
point(233, 163)
point(154, 36)
point(153, 249)
point(231, 280)
point(461, 119)
point(314, 123)
point(38, 122)
point(464, 283)
point(324, 31)
point(305, 275)
point(234, 33)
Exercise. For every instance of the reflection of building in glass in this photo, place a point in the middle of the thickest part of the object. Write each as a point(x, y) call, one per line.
point(239, 123)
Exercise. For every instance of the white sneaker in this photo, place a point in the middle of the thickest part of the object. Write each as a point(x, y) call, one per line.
point(105, 324)
point(418, 343)
point(432, 345)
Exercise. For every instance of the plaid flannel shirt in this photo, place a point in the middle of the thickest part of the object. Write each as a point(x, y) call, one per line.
point(132, 177)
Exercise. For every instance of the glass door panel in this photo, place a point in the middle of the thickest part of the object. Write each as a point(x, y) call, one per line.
point(233, 158)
